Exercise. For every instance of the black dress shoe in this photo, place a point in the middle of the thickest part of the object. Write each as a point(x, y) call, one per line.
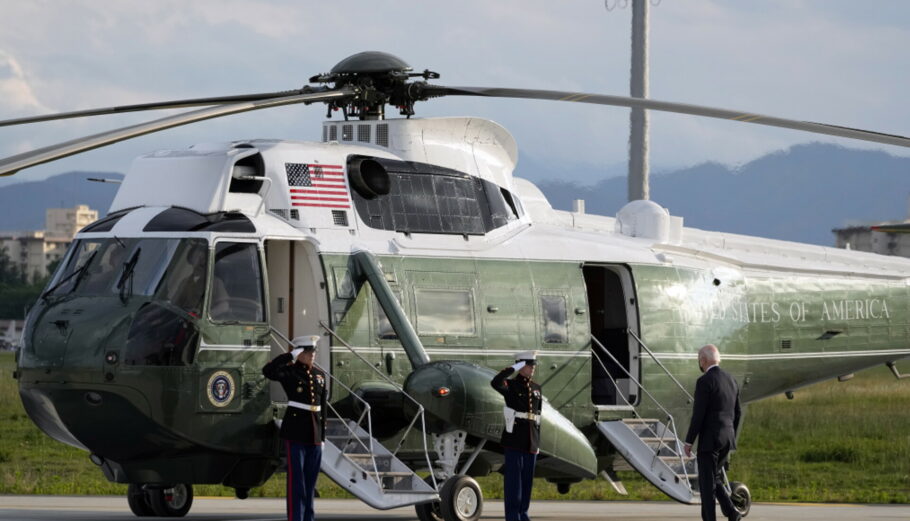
point(735, 517)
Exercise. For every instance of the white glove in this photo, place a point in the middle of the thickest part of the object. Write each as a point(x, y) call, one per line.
point(295, 353)
point(518, 366)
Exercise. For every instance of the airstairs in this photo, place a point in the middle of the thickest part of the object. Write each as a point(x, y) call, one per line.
point(360, 464)
point(364, 467)
point(653, 450)
point(651, 446)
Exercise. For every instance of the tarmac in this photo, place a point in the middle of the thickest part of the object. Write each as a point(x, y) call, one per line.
point(114, 508)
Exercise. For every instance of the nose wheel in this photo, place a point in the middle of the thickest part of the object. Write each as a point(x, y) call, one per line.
point(168, 501)
point(460, 500)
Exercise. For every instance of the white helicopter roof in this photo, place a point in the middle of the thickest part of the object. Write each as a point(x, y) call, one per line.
point(292, 188)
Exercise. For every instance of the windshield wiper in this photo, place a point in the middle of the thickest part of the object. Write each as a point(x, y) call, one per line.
point(127, 275)
point(76, 273)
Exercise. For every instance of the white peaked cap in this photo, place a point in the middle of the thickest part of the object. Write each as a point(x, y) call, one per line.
point(306, 341)
point(526, 355)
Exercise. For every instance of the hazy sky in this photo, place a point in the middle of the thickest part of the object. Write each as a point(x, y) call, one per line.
point(841, 62)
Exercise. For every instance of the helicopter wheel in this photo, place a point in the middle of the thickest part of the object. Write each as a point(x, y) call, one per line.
point(429, 511)
point(138, 501)
point(461, 499)
point(741, 497)
point(174, 501)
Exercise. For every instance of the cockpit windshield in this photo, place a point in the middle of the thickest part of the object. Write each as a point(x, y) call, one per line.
point(172, 269)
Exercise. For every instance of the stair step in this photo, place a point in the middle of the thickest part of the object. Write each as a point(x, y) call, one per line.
point(665, 438)
point(676, 459)
point(365, 461)
point(389, 473)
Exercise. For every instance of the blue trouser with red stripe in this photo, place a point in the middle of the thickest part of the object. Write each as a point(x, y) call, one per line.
point(303, 468)
point(518, 476)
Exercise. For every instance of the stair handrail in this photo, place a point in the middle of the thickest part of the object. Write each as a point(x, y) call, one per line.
point(662, 366)
point(671, 422)
point(420, 409)
point(352, 435)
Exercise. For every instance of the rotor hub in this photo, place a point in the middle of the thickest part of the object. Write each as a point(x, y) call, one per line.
point(379, 78)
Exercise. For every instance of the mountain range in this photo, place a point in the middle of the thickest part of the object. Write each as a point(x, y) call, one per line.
point(798, 194)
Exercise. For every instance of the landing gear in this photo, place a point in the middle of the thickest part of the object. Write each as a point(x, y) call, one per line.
point(171, 501)
point(461, 499)
point(136, 498)
point(429, 511)
point(741, 497)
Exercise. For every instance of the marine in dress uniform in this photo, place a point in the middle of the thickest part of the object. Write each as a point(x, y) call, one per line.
point(715, 419)
point(303, 427)
point(521, 435)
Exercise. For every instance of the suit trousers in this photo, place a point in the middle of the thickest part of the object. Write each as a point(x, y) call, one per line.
point(303, 469)
point(518, 477)
point(711, 483)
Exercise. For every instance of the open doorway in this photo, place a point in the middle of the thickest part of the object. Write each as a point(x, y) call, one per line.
point(614, 354)
point(297, 299)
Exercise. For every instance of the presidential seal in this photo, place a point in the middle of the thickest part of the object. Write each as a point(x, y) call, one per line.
point(221, 388)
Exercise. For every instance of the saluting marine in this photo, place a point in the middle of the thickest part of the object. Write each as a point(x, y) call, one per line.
point(303, 427)
point(521, 435)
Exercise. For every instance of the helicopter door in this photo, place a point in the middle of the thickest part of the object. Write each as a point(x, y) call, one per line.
point(296, 297)
point(612, 312)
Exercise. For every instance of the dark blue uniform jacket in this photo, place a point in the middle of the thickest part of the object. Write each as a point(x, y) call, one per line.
point(305, 385)
point(523, 395)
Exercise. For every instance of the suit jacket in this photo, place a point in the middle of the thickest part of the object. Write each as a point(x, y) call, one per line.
point(523, 395)
point(716, 411)
point(305, 385)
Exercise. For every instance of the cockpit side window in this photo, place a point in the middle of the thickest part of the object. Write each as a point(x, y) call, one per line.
point(237, 294)
point(184, 281)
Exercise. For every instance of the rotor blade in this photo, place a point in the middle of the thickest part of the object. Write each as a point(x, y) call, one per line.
point(13, 164)
point(665, 106)
point(175, 104)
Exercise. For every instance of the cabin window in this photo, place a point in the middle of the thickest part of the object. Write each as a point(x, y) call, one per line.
point(237, 294)
point(555, 321)
point(445, 312)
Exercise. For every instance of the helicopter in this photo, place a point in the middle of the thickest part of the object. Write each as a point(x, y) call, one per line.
point(424, 264)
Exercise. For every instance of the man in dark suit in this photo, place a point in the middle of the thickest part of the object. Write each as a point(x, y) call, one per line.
point(715, 420)
point(303, 427)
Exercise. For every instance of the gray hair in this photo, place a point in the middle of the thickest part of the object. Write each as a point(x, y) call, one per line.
point(710, 354)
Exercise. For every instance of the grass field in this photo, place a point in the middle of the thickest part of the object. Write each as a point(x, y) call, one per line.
point(836, 442)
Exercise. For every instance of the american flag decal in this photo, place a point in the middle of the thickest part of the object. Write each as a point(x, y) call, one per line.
point(315, 185)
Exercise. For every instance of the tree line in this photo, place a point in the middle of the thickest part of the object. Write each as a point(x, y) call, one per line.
point(18, 291)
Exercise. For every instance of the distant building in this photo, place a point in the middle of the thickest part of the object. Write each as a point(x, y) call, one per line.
point(65, 222)
point(35, 251)
point(892, 237)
